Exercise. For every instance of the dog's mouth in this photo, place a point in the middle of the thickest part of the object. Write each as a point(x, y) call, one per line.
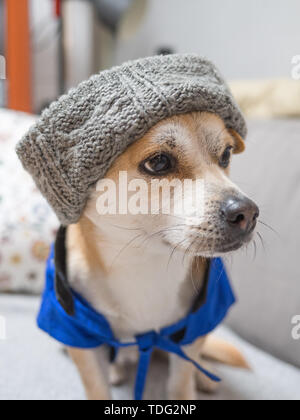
point(231, 247)
point(210, 246)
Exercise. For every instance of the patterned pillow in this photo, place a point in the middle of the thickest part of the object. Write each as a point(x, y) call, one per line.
point(27, 224)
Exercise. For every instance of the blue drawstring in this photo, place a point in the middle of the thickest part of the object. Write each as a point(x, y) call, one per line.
point(146, 344)
point(142, 370)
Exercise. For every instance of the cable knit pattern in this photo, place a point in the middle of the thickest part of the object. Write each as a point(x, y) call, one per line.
point(79, 136)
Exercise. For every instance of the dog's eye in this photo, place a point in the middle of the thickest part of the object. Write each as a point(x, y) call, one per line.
point(160, 164)
point(225, 158)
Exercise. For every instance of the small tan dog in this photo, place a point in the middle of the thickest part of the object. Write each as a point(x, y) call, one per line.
point(142, 271)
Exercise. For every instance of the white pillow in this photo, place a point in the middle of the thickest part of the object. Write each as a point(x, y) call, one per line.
point(27, 224)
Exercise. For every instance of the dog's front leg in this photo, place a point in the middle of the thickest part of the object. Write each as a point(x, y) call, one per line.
point(181, 382)
point(93, 368)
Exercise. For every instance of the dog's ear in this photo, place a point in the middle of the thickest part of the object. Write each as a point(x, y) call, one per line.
point(239, 142)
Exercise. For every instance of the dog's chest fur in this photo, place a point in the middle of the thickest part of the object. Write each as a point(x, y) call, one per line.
point(138, 291)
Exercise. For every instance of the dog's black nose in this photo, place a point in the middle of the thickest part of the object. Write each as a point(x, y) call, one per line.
point(240, 213)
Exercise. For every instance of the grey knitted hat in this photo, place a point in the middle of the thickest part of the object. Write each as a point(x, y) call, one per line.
point(77, 139)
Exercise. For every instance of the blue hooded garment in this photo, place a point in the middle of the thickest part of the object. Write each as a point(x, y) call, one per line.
point(86, 328)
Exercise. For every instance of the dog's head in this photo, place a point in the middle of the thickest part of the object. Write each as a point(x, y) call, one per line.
point(215, 216)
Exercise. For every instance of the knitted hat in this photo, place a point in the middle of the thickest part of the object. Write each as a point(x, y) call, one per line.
point(79, 136)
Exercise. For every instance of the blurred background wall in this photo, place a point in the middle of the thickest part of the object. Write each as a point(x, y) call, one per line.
point(44, 33)
point(247, 39)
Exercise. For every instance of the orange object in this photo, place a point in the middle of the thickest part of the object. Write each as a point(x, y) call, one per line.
point(18, 55)
point(57, 8)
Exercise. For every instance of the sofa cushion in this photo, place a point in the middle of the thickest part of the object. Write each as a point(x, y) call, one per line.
point(268, 285)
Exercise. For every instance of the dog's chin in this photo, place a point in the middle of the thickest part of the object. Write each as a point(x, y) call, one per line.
point(226, 248)
point(219, 250)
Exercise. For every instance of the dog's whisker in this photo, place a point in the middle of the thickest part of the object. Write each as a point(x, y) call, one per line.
point(125, 227)
point(174, 250)
point(175, 216)
point(158, 233)
point(269, 227)
point(188, 249)
point(128, 244)
point(197, 288)
point(261, 240)
point(255, 249)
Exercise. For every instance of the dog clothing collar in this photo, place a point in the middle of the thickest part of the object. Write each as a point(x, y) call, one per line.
point(69, 319)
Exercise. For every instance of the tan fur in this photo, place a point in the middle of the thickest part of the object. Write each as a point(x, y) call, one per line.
point(90, 365)
point(239, 142)
point(80, 239)
point(182, 374)
point(142, 272)
point(224, 352)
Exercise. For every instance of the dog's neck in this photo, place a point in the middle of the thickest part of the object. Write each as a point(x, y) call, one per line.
point(138, 284)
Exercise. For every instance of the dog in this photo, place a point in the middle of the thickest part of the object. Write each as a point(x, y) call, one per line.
point(142, 271)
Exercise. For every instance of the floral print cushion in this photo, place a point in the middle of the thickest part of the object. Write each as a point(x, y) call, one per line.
point(27, 224)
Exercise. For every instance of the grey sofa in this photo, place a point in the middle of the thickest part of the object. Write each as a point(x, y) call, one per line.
point(267, 286)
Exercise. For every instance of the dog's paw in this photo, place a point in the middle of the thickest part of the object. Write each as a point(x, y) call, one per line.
point(186, 392)
point(181, 395)
point(204, 384)
point(207, 386)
